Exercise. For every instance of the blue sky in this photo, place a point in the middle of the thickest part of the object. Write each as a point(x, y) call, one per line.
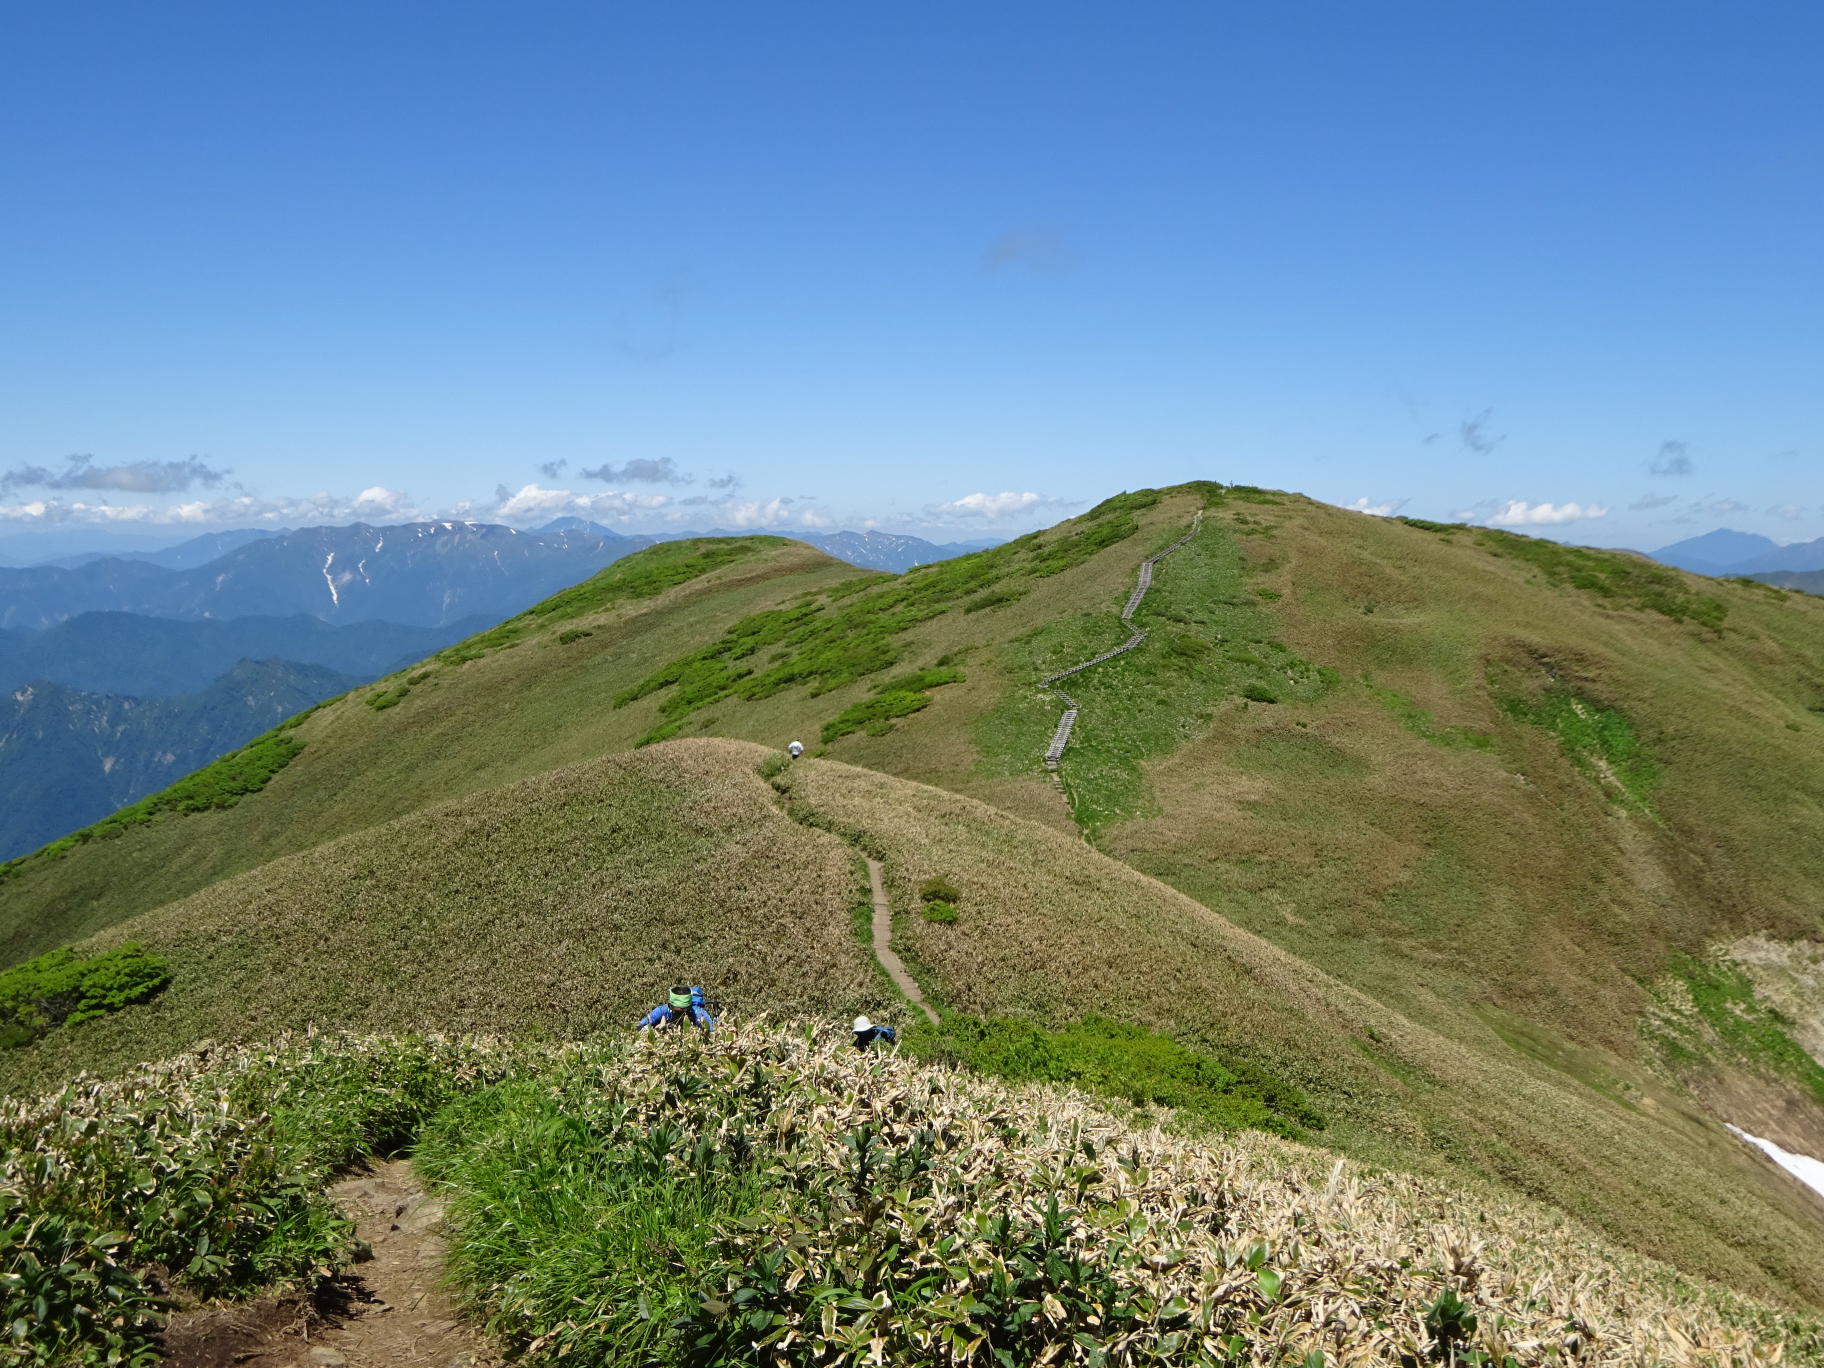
point(957, 270)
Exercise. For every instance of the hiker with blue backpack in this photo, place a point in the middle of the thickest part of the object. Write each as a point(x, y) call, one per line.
point(867, 1034)
point(686, 1004)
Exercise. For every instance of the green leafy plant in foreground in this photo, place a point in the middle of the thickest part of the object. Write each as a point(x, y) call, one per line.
point(203, 1175)
point(770, 1195)
point(58, 987)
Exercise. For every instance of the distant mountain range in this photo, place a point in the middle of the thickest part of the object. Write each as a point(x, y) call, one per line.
point(147, 657)
point(1806, 581)
point(184, 556)
point(1727, 552)
point(69, 757)
point(871, 550)
point(428, 574)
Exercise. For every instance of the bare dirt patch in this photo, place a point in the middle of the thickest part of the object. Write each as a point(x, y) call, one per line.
point(390, 1312)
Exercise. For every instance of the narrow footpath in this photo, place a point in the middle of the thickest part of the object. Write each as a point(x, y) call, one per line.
point(1061, 737)
point(387, 1312)
point(883, 943)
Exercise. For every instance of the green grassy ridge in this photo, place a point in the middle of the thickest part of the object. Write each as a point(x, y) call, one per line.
point(1626, 580)
point(645, 574)
point(823, 642)
point(1213, 640)
point(852, 630)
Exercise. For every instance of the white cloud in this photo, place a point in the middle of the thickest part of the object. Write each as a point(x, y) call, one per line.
point(1717, 508)
point(1519, 513)
point(533, 502)
point(1002, 505)
point(240, 510)
point(1378, 510)
point(782, 512)
point(1791, 512)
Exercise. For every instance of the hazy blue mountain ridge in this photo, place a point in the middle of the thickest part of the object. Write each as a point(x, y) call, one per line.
point(1728, 552)
point(69, 757)
point(427, 574)
point(148, 657)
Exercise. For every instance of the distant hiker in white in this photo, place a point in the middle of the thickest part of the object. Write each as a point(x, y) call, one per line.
point(795, 750)
point(867, 1034)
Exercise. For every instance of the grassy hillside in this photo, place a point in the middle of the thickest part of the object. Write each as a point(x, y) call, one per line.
point(1440, 823)
point(568, 902)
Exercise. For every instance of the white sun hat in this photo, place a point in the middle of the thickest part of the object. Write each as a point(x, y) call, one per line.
point(863, 1024)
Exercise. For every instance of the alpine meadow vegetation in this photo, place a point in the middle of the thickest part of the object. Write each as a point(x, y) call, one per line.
point(770, 1195)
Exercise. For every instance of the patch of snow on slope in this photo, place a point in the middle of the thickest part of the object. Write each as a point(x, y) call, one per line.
point(334, 597)
point(1807, 1170)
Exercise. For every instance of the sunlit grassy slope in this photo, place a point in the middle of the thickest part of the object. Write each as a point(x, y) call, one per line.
point(564, 902)
point(1447, 808)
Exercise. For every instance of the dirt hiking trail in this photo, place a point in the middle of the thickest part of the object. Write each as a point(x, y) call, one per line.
point(883, 943)
point(387, 1312)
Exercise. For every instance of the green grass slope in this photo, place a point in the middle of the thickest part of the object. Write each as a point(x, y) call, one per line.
point(563, 904)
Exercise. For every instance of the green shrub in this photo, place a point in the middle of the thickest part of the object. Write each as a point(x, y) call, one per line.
point(1120, 1061)
point(920, 680)
point(939, 911)
point(1259, 693)
point(939, 890)
point(995, 598)
point(56, 988)
point(572, 634)
point(1425, 526)
point(872, 712)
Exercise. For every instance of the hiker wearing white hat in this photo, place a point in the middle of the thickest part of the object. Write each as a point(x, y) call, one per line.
point(866, 1033)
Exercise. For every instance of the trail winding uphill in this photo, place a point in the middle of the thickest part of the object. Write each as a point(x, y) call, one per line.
point(883, 943)
point(1061, 737)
